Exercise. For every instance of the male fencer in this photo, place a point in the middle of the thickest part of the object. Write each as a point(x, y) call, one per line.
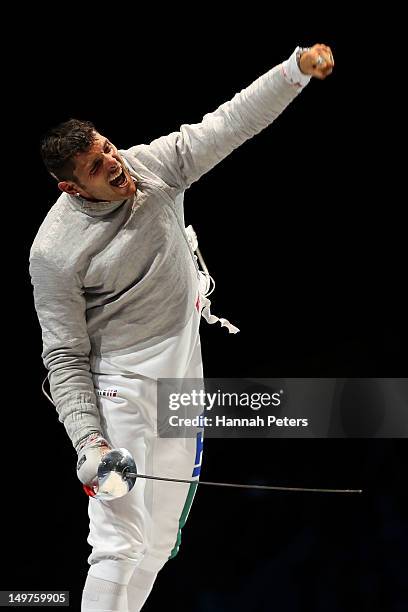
point(119, 296)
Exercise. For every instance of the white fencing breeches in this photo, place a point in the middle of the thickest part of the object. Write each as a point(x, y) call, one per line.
point(133, 537)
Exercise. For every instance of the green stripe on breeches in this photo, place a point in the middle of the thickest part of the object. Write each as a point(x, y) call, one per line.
point(183, 518)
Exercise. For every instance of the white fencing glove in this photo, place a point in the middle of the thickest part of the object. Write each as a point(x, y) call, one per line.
point(90, 453)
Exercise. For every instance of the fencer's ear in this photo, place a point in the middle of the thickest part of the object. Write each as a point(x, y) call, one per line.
point(68, 187)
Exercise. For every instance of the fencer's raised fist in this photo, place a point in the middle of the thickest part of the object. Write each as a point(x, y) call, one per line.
point(317, 61)
point(90, 454)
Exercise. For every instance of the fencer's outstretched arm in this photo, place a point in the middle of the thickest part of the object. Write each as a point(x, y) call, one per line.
point(182, 157)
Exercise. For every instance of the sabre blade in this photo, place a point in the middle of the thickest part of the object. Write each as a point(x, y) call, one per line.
point(242, 486)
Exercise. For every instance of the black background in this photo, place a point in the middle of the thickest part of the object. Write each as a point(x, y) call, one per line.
point(302, 228)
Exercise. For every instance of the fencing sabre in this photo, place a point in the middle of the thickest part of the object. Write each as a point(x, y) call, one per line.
point(117, 474)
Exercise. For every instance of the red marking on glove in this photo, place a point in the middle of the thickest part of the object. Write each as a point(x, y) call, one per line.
point(89, 490)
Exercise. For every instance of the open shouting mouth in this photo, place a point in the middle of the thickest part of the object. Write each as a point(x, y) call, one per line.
point(119, 178)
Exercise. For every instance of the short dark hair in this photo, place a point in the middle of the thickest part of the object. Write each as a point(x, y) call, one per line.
point(60, 145)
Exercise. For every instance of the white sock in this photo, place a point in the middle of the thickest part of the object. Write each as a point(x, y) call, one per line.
point(104, 596)
point(139, 588)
